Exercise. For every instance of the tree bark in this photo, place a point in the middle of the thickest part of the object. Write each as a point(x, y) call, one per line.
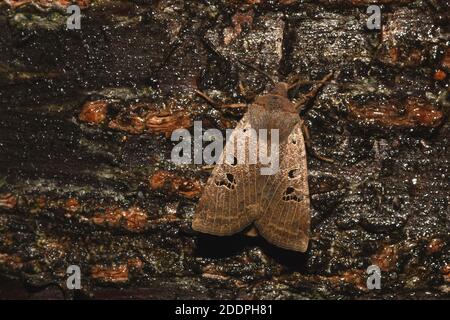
point(86, 118)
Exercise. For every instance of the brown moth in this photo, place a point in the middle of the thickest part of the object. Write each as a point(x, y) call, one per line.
point(237, 195)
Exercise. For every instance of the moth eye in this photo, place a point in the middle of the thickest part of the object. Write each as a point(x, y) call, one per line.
point(294, 173)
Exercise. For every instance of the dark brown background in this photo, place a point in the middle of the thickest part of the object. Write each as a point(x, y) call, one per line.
point(85, 123)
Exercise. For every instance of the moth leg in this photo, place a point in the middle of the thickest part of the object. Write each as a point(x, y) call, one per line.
point(207, 98)
point(220, 106)
point(307, 137)
point(302, 104)
point(299, 83)
point(234, 106)
point(242, 89)
point(296, 85)
point(245, 93)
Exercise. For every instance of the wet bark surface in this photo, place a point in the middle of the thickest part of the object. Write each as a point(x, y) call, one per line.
point(85, 123)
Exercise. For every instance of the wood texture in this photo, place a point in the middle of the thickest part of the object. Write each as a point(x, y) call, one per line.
point(85, 118)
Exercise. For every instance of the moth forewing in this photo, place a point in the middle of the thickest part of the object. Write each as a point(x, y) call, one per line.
point(268, 151)
point(285, 212)
point(227, 204)
point(247, 146)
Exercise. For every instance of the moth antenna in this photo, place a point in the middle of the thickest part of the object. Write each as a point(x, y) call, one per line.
point(258, 70)
point(301, 83)
point(309, 146)
point(218, 106)
point(301, 105)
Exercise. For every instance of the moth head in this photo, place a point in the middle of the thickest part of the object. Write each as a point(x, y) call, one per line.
point(280, 89)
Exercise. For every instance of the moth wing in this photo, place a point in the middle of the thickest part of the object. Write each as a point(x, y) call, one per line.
point(229, 201)
point(285, 214)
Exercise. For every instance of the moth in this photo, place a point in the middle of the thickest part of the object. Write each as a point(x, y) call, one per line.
point(236, 195)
